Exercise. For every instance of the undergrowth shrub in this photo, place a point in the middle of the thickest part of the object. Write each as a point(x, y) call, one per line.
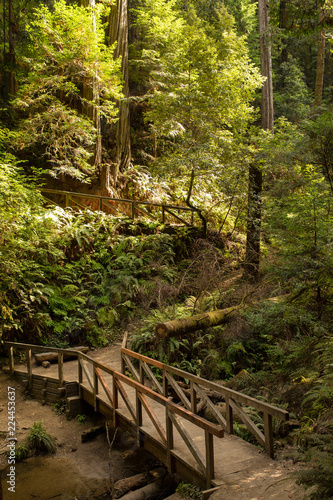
point(69, 278)
point(319, 474)
point(40, 441)
point(208, 353)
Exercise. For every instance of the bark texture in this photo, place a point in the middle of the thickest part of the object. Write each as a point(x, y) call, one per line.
point(118, 32)
point(90, 91)
point(252, 260)
point(52, 357)
point(267, 115)
point(182, 326)
point(320, 62)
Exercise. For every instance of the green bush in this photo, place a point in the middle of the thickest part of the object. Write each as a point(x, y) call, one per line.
point(40, 441)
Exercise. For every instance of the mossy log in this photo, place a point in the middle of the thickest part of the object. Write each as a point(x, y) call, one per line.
point(182, 326)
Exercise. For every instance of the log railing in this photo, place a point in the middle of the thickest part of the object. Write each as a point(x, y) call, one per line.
point(105, 383)
point(129, 208)
point(202, 391)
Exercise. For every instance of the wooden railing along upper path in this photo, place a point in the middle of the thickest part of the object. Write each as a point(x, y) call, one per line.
point(129, 208)
point(137, 398)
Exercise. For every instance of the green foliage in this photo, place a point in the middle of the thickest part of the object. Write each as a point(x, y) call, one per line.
point(292, 97)
point(69, 278)
point(320, 132)
point(81, 418)
point(202, 85)
point(318, 402)
point(63, 55)
point(22, 451)
point(40, 441)
point(283, 338)
point(203, 353)
point(187, 490)
point(319, 475)
point(60, 408)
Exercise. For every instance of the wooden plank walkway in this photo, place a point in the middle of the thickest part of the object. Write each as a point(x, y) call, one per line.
point(200, 451)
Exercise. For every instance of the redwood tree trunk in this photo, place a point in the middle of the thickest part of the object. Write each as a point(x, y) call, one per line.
point(118, 32)
point(91, 92)
point(267, 115)
point(320, 62)
point(252, 259)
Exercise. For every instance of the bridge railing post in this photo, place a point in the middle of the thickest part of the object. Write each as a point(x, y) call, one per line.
point(165, 383)
point(139, 404)
point(169, 443)
point(11, 361)
point(193, 397)
point(29, 367)
point(80, 374)
point(209, 441)
point(95, 379)
point(61, 368)
point(115, 402)
point(268, 429)
point(229, 415)
point(123, 364)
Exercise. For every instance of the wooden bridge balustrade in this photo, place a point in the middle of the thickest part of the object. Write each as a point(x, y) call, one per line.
point(103, 388)
point(135, 206)
point(173, 414)
point(199, 389)
point(92, 375)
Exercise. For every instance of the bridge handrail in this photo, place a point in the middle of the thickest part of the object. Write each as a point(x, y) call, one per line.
point(232, 397)
point(135, 206)
point(172, 410)
point(238, 396)
point(124, 200)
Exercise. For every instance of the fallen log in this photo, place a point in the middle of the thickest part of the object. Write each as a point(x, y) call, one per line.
point(150, 491)
point(91, 433)
point(52, 357)
point(182, 326)
point(123, 486)
point(157, 489)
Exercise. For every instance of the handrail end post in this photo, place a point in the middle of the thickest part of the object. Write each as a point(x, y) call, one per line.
point(11, 360)
point(269, 441)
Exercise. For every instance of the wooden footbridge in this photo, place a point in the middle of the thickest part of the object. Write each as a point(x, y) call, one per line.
point(158, 404)
point(188, 216)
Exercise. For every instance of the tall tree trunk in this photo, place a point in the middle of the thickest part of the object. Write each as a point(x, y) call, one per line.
point(8, 78)
point(320, 62)
point(267, 115)
point(90, 91)
point(95, 91)
point(252, 258)
point(118, 32)
point(282, 27)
